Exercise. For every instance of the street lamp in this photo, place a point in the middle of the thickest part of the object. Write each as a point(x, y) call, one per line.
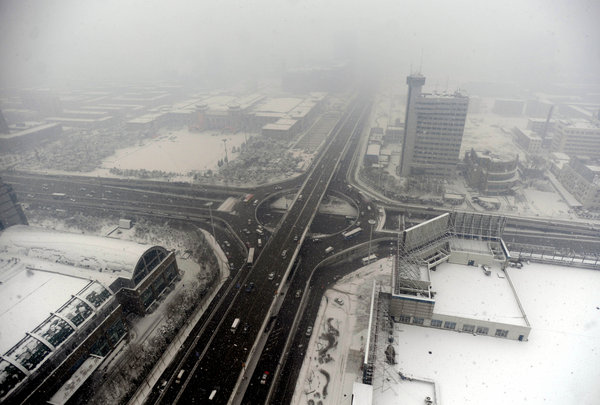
point(209, 205)
point(371, 222)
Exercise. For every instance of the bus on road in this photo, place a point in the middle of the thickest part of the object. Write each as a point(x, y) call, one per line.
point(248, 198)
point(235, 325)
point(369, 259)
point(352, 233)
point(59, 196)
point(250, 255)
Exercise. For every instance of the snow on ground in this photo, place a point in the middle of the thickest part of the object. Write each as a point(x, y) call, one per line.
point(329, 205)
point(558, 365)
point(342, 326)
point(177, 151)
point(544, 203)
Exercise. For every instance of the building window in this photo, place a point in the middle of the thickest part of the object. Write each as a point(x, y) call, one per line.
point(418, 321)
point(468, 328)
point(449, 325)
point(404, 318)
point(436, 323)
point(116, 331)
point(501, 332)
point(147, 297)
point(482, 330)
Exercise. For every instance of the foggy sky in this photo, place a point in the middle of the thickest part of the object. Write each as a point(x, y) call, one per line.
point(70, 42)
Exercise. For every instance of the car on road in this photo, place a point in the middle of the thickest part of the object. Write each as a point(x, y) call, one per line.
point(309, 331)
point(245, 328)
point(295, 238)
point(298, 293)
point(339, 301)
point(264, 378)
point(271, 276)
point(250, 286)
point(284, 254)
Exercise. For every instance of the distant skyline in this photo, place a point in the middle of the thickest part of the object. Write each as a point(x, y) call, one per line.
point(69, 42)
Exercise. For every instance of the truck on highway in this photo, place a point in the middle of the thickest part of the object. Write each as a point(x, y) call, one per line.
point(179, 376)
point(352, 233)
point(250, 256)
point(235, 325)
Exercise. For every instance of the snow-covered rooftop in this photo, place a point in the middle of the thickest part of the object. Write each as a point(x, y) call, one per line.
point(279, 105)
point(84, 256)
point(558, 364)
point(28, 296)
point(466, 291)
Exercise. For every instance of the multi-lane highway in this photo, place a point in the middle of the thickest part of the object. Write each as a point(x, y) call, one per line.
point(221, 358)
point(276, 298)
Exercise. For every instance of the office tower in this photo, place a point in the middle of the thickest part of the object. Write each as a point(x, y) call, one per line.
point(433, 130)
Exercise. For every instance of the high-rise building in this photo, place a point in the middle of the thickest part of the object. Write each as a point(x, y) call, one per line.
point(433, 130)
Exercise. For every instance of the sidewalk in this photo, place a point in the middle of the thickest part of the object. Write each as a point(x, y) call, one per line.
point(146, 387)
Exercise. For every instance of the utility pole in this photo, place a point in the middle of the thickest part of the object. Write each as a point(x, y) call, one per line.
point(226, 158)
point(371, 222)
point(212, 224)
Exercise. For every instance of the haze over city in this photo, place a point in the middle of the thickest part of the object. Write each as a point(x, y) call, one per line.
point(70, 42)
point(303, 202)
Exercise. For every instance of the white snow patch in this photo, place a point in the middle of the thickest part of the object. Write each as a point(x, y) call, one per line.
point(177, 151)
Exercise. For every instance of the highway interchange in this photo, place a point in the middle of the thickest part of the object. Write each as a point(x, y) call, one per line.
point(277, 311)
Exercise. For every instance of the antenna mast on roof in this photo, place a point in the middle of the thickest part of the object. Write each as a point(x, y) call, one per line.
point(421, 62)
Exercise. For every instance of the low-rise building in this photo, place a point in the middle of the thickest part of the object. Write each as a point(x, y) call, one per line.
point(372, 155)
point(452, 273)
point(63, 300)
point(577, 137)
point(490, 173)
point(581, 178)
point(530, 141)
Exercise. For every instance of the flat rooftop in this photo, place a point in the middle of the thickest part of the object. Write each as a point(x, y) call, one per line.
point(467, 292)
point(557, 366)
point(279, 105)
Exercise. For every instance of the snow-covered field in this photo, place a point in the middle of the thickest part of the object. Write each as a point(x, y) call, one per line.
point(177, 151)
point(558, 365)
